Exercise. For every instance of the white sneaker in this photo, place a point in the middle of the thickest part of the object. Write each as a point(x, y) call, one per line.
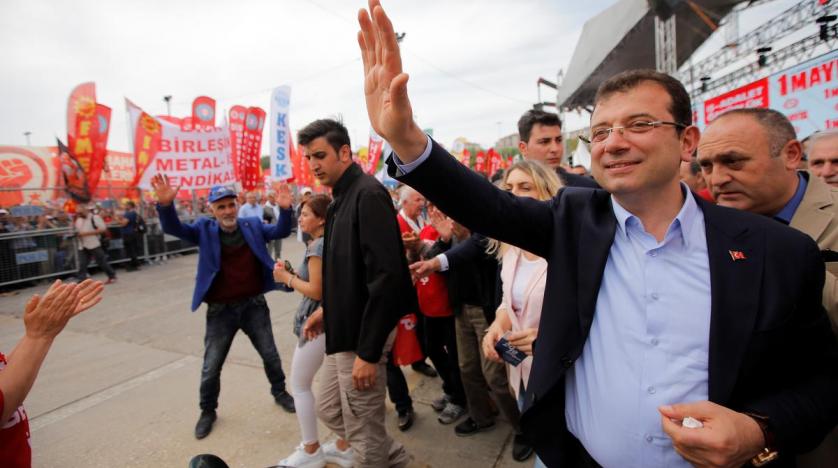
point(302, 459)
point(341, 458)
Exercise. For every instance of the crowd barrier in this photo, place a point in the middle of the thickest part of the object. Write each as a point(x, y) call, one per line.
point(51, 253)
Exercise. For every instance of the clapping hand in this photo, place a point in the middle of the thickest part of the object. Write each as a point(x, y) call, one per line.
point(45, 317)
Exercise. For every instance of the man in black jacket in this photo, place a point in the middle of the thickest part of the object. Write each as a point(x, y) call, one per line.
point(366, 290)
point(750, 373)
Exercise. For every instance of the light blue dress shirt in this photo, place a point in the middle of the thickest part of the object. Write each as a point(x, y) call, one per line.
point(649, 341)
point(247, 210)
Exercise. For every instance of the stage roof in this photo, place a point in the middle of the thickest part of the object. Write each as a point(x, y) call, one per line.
point(622, 37)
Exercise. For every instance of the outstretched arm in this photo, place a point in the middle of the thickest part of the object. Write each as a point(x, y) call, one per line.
point(43, 318)
point(385, 85)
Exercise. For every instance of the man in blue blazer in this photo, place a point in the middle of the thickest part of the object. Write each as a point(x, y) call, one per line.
point(234, 272)
point(673, 332)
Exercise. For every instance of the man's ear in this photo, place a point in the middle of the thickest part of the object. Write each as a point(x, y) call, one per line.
point(345, 154)
point(792, 153)
point(689, 142)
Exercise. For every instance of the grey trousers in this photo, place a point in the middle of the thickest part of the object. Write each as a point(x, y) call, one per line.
point(358, 415)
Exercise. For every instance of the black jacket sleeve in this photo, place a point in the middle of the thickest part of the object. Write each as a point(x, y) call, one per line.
point(390, 293)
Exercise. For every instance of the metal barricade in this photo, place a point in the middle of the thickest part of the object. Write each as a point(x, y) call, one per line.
point(48, 253)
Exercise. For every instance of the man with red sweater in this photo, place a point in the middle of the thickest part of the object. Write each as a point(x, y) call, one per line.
point(234, 272)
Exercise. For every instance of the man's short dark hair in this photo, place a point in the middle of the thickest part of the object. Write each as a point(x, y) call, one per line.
point(532, 117)
point(334, 132)
point(680, 107)
point(777, 126)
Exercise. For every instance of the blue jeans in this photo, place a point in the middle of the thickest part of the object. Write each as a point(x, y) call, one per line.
point(223, 321)
point(521, 394)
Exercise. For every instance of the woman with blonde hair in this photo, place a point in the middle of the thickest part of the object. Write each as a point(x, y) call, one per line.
point(524, 276)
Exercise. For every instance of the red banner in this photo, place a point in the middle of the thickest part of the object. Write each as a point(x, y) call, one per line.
point(495, 162)
point(751, 95)
point(82, 124)
point(203, 112)
point(254, 121)
point(374, 150)
point(466, 158)
point(100, 147)
point(147, 137)
point(236, 123)
point(480, 162)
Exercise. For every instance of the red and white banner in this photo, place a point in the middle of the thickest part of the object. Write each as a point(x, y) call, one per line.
point(480, 162)
point(82, 124)
point(203, 112)
point(192, 159)
point(806, 93)
point(751, 95)
point(495, 162)
point(236, 123)
point(251, 170)
point(374, 150)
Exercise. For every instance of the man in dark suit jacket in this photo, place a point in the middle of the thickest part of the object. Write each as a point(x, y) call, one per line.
point(753, 363)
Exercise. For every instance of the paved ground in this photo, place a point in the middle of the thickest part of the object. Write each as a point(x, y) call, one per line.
point(120, 386)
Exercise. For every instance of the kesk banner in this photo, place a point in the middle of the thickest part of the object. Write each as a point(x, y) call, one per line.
point(279, 129)
point(195, 159)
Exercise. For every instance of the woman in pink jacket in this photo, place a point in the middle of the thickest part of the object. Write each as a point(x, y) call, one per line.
point(524, 276)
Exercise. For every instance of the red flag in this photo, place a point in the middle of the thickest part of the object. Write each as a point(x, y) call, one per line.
point(254, 121)
point(495, 162)
point(147, 138)
point(480, 162)
point(236, 123)
point(203, 112)
point(374, 150)
point(466, 158)
point(82, 124)
point(100, 147)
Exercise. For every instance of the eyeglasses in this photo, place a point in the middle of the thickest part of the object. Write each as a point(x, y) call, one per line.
point(638, 126)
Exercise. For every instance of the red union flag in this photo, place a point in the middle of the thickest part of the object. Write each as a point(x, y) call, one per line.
point(203, 112)
point(82, 124)
point(100, 147)
point(236, 122)
point(375, 148)
point(254, 122)
point(751, 95)
point(480, 162)
point(147, 136)
point(495, 162)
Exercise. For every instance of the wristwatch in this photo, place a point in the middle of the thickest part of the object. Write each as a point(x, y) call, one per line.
point(768, 453)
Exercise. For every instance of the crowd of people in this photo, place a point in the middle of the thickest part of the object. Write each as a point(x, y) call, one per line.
point(678, 306)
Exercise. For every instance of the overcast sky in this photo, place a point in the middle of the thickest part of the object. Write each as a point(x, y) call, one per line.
point(473, 63)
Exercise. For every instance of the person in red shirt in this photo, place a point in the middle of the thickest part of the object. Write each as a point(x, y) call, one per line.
point(43, 319)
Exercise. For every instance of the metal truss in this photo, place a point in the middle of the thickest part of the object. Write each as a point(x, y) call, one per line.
point(794, 53)
point(665, 48)
point(793, 19)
